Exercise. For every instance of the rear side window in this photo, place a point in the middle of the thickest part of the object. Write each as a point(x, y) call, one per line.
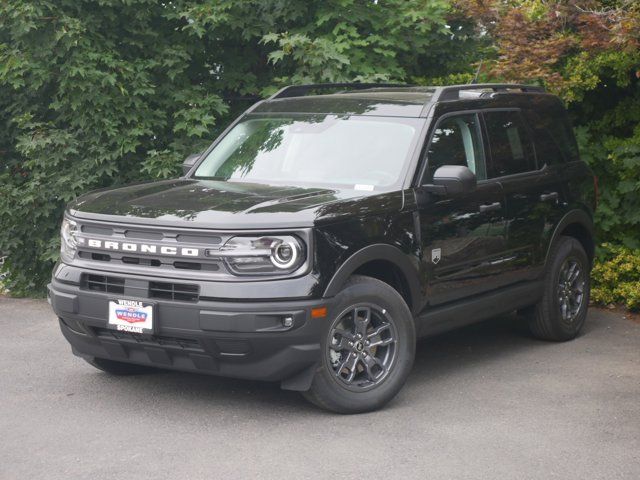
point(555, 142)
point(456, 141)
point(511, 149)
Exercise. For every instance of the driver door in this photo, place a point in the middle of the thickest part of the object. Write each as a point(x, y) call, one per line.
point(463, 236)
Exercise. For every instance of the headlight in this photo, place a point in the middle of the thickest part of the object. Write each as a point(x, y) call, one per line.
point(262, 255)
point(69, 240)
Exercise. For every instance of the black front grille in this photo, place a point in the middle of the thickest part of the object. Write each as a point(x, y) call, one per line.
point(209, 265)
point(150, 262)
point(156, 237)
point(103, 283)
point(189, 265)
point(98, 257)
point(174, 291)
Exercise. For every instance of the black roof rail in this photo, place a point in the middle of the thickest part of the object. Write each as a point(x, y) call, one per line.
point(302, 90)
point(452, 92)
point(439, 94)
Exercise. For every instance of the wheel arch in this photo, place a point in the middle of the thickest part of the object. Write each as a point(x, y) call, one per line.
point(579, 225)
point(386, 263)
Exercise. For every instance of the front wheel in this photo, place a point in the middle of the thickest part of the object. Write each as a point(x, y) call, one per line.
point(368, 349)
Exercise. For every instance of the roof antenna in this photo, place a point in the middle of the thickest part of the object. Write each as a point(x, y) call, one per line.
point(475, 77)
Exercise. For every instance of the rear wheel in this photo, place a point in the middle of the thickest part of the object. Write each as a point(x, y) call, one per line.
point(368, 350)
point(118, 368)
point(562, 311)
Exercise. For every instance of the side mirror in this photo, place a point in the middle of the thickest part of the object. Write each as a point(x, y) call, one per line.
point(189, 162)
point(452, 180)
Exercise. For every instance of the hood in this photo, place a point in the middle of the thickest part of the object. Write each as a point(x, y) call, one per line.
point(215, 204)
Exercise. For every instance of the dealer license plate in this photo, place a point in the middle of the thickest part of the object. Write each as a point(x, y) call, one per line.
point(131, 316)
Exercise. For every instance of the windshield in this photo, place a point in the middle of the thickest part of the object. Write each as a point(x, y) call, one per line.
point(366, 153)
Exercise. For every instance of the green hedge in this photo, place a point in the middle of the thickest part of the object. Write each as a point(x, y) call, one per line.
point(616, 277)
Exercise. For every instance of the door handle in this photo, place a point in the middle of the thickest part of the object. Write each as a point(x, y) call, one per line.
point(549, 196)
point(490, 206)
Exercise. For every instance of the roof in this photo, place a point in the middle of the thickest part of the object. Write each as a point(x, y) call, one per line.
point(376, 99)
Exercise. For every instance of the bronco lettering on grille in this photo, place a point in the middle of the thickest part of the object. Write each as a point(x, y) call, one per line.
point(139, 247)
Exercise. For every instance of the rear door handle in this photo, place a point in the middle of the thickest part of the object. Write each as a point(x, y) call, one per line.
point(549, 196)
point(490, 206)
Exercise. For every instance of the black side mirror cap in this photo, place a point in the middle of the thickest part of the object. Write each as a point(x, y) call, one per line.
point(452, 180)
point(189, 162)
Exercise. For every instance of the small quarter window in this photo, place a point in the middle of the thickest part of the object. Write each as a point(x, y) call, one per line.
point(456, 141)
point(511, 150)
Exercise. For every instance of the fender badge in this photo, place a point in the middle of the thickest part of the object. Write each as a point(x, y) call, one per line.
point(436, 255)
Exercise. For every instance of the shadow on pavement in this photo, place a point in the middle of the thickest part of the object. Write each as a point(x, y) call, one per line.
point(436, 357)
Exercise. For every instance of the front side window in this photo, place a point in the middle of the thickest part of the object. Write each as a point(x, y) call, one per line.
point(456, 141)
point(362, 152)
point(511, 150)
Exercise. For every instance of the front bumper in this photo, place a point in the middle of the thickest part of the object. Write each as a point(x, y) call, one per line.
point(234, 339)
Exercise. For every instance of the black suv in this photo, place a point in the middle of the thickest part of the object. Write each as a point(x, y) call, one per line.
point(327, 229)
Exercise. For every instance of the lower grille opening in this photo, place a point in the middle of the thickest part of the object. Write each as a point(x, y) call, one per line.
point(174, 291)
point(103, 283)
point(143, 339)
point(233, 347)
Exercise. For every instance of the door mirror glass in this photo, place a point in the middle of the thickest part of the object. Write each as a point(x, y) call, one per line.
point(190, 162)
point(453, 180)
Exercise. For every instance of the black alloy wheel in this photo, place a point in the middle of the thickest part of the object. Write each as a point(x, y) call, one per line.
point(571, 285)
point(561, 312)
point(368, 350)
point(362, 346)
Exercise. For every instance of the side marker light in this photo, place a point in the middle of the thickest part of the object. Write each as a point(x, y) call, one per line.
point(319, 312)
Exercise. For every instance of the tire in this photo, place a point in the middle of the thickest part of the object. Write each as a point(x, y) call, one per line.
point(381, 358)
point(118, 368)
point(553, 317)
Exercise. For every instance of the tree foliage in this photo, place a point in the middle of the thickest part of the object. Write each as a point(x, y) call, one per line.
point(588, 52)
point(101, 93)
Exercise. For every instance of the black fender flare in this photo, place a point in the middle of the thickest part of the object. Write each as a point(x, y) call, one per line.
point(577, 216)
point(379, 251)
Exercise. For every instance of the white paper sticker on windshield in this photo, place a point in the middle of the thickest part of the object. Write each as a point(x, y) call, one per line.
point(367, 188)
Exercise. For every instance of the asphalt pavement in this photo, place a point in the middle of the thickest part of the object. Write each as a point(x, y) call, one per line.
point(485, 402)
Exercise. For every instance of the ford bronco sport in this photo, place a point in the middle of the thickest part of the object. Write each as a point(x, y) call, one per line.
point(327, 229)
